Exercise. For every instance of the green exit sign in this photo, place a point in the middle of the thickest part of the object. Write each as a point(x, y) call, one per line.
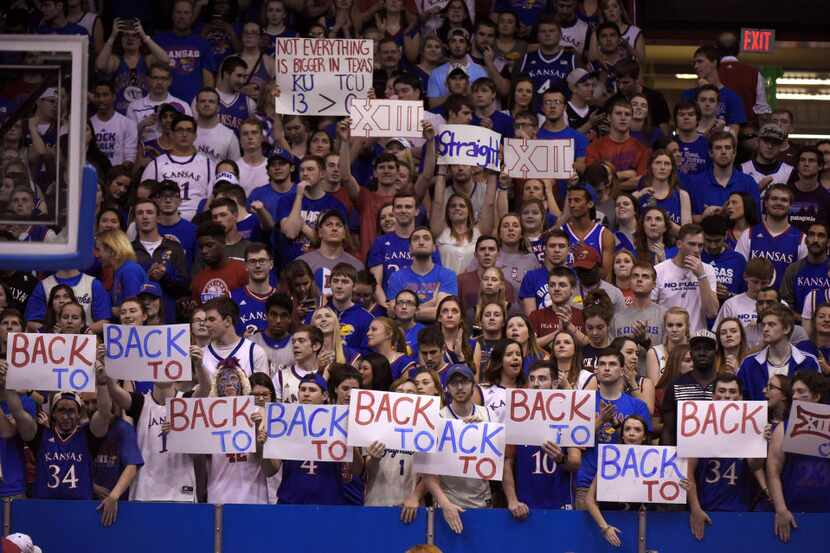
point(757, 40)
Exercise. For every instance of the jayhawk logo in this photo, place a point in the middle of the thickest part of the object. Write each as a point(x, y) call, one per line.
point(346, 330)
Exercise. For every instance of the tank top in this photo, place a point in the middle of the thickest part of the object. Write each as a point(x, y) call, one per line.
point(131, 84)
point(390, 483)
point(541, 482)
point(243, 351)
point(82, 291)
point(592, 239)
point(806, 483)
point(165, 476)
point(467, 492)
point(724, 484)
point(236, 478)
point(259, 74)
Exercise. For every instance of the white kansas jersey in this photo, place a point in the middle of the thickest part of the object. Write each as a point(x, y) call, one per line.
point(192, 173)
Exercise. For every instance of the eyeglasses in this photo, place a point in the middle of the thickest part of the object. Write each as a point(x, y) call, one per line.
point(553, 103)
point(773, 387)
point(405, 303)
point(257, 261)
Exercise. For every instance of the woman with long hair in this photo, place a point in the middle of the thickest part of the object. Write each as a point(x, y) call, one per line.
point(778, 392)
point(508, 46)
point(732, 346)
point(386, 222)
point(428, 383)
point(455, 15)
point(626, 217)
point(641, 127)
point(375, 373)
point(298, 281)
point(679, 362)
point(742, 214)
point(532, 214)
point(334, 349)
point(636, 386)
point(662, 189)
point(634, 432)
point(505, 371)
point(492, 289)
point(450, 319)
point(490, 317)
point(127, 63)
point(568, 357)
point(217, 28)
point(58, 296)
point(614, 11)
point(653, 236)
point(319, 144)
point(597, 314)
point(261, 66)
point(431, 56)
point(384, 337)
point(621, 274)
point(116, 252)
point(675, 333)
point(518, 328)
point(163, 143)
point(71, 319)
point(522, 97)
point(513, 258)
point(274, 22)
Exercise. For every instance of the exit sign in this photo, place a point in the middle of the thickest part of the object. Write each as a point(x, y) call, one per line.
point(757, 40)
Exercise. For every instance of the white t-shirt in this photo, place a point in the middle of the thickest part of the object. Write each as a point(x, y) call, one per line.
point(217, 143)
point(192, 173)
point(139, 109)
point(454, 256)
point(252, 176)
point(742, 307)
point(117, 138)
point(679, 287)
point(151, 247)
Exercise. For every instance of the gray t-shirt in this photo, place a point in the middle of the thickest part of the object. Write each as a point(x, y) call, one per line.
point(515, 266)
point(653, 317)
point(317, 261)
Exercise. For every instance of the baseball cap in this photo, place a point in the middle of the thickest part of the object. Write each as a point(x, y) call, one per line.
point(227, 177)
point(585, 257)
point(50, 92)
point(151, 288)
point(316, 378)
point(771, 131)
point(459, 31)
point(19, 543)
point(578, 75)
point(328, 215)
point(165, 186)
point(703, 334)
point(283, 154)
point(402, 141)
point(458, 71)
point(458, 368)
point(71, 396)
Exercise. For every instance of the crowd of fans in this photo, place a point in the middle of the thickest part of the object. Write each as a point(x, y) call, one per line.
point(686, 258)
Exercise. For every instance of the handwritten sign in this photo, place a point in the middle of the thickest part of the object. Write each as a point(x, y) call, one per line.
point(431, 6)
point(399, 421)
point(321, 76)
point(307, 432)
point(148, 353)
point(640, 473)
point(211, 425)
point(387, 118)
point(468, 145)
point(468, 450)
point(808, 429)
point(539, 159)
point(564, 417)
point(722, 429)
point(51, 362)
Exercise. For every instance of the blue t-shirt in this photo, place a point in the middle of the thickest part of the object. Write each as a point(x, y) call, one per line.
point(811, 277)
point(184, 232)
point(100, 301)
point(310, 211)
point(270, 198)
point(11, 455)
point(119, 449)
point(354, 323)
point(311, 483)
point(392, 251)
point(127, 281)
point(189, 55)
point(535, 285)
point(580, 140)
point(670, 204)
point(502, 123)
point(439, 279)
point(729, 268)
point(705, 191)
point(694, 156)
point(730, 107)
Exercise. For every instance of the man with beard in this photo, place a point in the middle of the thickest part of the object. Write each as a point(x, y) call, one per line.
point(213, 139)
point(774, 239)
point(810, 273)
point(710, 188)
point(698, 384)
point(431, 282)
point(251, 298)
point(811, 201)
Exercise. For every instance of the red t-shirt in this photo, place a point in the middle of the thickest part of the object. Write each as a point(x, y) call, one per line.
point(211, 283)
point(630, 154)
point(545, 321)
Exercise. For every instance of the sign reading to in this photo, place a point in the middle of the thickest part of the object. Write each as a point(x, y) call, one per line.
point(640, 473)
point(386, 118)
point(307, 432)
point(211, 425)
point(757, 40)
point(51, 362)
point(321, 76)
point(468, 145)
point(808, 429)
point(400, 421)
point(539, 159)
point(722, 429)
point(468, 450)
point(564, 417)
point(148, 353)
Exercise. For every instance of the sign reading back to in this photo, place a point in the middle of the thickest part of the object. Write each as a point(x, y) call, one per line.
point(307, 432)
point(211, 425)
point(148, 353)
point(399, 421)
point(51, 362)
point(640, 473)
point(564, 417)
point(468, 450)
point(321, 76)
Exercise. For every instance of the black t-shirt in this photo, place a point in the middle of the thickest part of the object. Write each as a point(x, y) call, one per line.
point(809, 207)
point(19, 286)
point(685, 386)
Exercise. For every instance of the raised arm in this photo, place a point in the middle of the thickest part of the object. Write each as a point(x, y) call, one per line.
point(436, 219)
point(201, 372)
point(292, 225)
point(99, 424)
point(487, 217)
point(26, 425)
point(344, 133)
point(425, 178)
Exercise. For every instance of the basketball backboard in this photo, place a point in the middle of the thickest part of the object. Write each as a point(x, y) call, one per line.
point(43, 98)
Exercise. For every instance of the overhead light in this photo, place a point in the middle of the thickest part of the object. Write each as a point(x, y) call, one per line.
point(685, 76)
point(802, 81)
point(802, 96)
point(809, 136)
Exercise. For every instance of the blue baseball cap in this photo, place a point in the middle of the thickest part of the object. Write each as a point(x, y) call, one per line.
point(456, 369)
point(151, 288)
point(283, 154)
point(317, 379)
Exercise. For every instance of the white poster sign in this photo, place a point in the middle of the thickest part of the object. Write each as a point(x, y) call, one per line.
point(564, 417)
point(640, 473)
point(387, 118)
point(808, 429)
point(468, 145)
point(307, 432)
point(722, 429)
point(211, 425)
point(51, 362)
point(399, 421)
point(539, 159)
point(148, 353)
point(468, 450)
point(321, 76)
